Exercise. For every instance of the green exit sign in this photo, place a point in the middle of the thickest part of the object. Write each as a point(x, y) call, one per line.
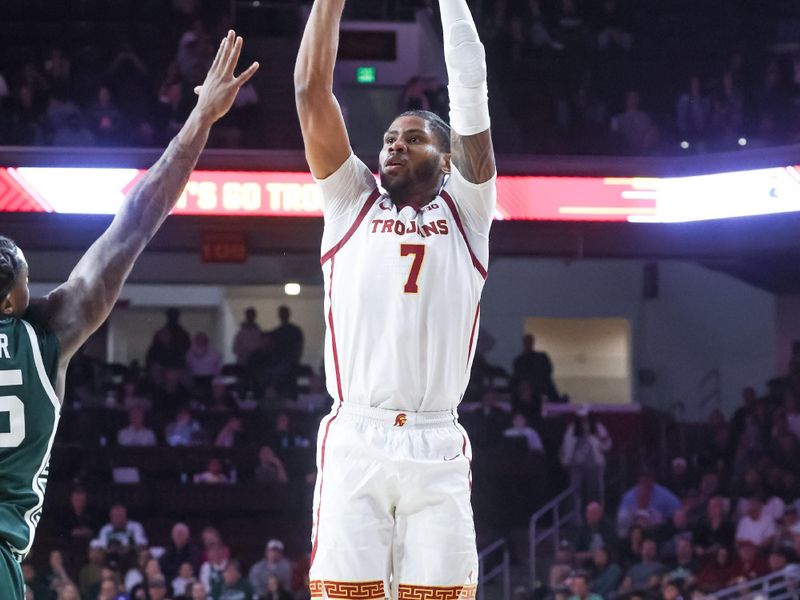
point(365, 74)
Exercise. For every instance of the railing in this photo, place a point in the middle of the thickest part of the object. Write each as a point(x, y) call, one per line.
point(563, 510)
point(503, 569)
point(775, 586)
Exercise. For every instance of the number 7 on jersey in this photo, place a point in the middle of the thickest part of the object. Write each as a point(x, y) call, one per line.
point(418, 252)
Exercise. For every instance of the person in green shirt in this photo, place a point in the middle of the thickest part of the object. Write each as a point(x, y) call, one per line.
point(579, 587)
point(234, 587)
point(39, 337)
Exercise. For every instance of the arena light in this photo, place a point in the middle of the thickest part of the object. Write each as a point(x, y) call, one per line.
point(742, 141)
point(685, 145)
point(292, 289)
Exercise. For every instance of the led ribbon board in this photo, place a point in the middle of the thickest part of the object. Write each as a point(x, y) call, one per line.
point(282, 194)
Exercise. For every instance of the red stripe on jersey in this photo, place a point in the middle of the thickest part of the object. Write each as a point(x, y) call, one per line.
point(476, 263)
point(472, 333)
point(333, 334)
point(362, 213)
point(321, 481)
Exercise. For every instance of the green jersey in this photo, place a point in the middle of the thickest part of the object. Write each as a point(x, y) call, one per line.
point(29, 412)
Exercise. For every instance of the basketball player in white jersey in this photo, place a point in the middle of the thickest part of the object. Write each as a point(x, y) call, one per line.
point(404, 269)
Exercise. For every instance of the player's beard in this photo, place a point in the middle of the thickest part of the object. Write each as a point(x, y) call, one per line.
point(422, 176)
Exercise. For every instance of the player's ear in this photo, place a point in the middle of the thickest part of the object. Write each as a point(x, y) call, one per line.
point(6, 306)
point(445, 163)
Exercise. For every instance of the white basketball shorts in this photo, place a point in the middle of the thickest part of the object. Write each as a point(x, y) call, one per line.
point(392, 513)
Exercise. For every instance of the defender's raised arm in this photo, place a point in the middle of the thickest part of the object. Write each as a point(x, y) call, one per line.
point(76, 308)
point(324, 134)
point(465, 57)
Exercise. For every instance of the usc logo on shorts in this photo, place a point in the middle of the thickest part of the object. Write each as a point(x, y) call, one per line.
point(400, 420)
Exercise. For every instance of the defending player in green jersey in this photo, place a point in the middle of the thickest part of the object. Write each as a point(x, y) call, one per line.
point(38, 337)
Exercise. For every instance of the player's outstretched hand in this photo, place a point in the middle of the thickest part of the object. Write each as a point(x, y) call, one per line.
point(219, 89)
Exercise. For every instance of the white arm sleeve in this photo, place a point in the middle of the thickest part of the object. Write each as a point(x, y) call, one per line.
point(465, 58)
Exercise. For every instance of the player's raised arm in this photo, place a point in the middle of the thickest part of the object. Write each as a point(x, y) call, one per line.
point(465, 57)
point(324, 134)
point(75, 309)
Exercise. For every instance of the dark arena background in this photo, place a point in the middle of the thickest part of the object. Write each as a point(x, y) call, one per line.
point(641, 443)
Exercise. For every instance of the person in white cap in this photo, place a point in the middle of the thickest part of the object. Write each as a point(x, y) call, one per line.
point(273, 563)
point(404, 267)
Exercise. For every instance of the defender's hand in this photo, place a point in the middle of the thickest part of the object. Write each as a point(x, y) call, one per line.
point(219, 89)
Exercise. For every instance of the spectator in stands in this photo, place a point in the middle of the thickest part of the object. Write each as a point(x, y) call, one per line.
point(716, 573)
point(727, 113)
point(673, 530)
point(289, 340)
point(172, 112)
point(25, 118)
point(606, 573)
point(597, 531)
point(109, 589)
point(198, 591)
point(645, 575)
point(270, 468)
point(756, 526)
point(169, 347)
point(89, 574)
point(213, 474)
point(211, 571)
point(132, 397)
point(184, 430)
point(35, 582)
point(71, 131)
point(265, 365)
point(583, 452)
point(121, 535)
point(679, 479)
point(579, 587)
point(631, 546)
point(273, 563)
point(136, 576)
point(634, 129)
point(693, 112)
point(647, 501)
point(685, 565)
point(563, 565)
point(181, 584)
point(80, 524)
point(520, 429)
point(68, 592)
point(785, 528)
point(412, 96)
point(715, 530)
point(221, 400)
point(57, 71)
point(613, 28)
point(136, 434)
point(248, 338)
point(275, 591)
point(536, 368)
point(316, 399)
point(180, 550)
point(748, 563)
point(234, 587)
point(210, 536)
point(105, 119)
point(779, 558)
point(229, 434)
point(202, 359)
point(487, 422)
point(157, 589)
point(285, 436)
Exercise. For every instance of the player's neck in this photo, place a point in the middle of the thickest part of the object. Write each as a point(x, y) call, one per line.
point(414, 197)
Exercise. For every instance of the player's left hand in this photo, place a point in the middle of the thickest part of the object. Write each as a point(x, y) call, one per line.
point(220, 87)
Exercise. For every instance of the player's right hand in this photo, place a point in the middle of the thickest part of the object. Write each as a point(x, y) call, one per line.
point(220, 87)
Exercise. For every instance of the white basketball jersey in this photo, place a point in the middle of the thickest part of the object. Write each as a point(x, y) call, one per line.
point(402, 290)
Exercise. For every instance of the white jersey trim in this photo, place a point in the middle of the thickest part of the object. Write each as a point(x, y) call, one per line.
point(33, 515)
